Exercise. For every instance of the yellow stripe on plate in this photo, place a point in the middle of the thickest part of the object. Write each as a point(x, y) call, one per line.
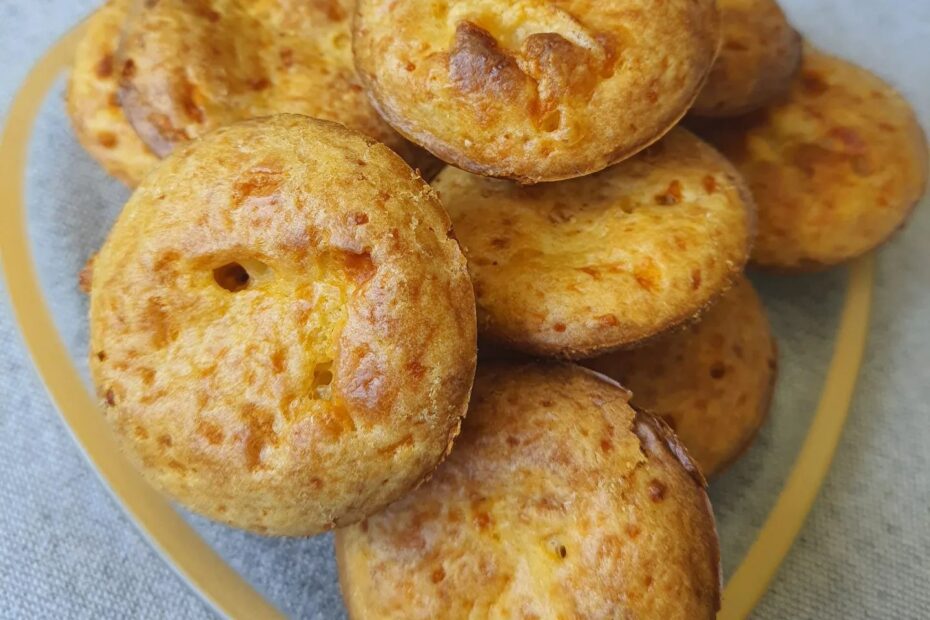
point(752, 577)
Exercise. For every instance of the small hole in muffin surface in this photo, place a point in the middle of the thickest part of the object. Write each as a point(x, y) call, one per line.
point(231, 276)
point(322, 381)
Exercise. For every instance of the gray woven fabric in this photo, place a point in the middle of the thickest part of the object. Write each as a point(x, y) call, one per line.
point(66, 550)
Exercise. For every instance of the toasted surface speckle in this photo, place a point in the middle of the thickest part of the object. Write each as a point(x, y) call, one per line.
point(760, 55)
point(588, 265)
point(534, 90)
point(93, 103)
point(282, 331)
point(710, 381)
point(835, 167)
point(559, 501)
point(189, 67)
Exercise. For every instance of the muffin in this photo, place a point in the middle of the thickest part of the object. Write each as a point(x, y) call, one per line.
point(760, 56)
point(282, 328)
point(579, 267)
point(534, 91)
point(559, 501)
point(710, 382)
point(835, 167)
point(93, 103)
point(189, 67)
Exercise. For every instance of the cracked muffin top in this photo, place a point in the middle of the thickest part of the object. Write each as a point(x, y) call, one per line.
point(282, 328)
point(559, 501)
point(575, 268)
point(534, 90)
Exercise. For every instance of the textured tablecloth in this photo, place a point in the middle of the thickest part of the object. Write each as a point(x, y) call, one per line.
point(67, 551)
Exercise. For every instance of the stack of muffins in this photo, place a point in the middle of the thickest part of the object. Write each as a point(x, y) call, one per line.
point(286, 318)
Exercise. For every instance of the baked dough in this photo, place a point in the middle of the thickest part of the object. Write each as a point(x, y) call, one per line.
point(189, 67)
point(282, 329)
point(711, 381)
point(559, 501)
point(93, 102)
point(760, 56)
point(534, 90)
point(836, 167)
point(575, 268)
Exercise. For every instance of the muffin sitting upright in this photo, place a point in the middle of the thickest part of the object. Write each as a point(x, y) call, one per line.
point(530, 90)
point(282, 329)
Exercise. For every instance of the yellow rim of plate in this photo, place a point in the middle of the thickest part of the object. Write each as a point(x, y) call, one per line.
point(205, 571)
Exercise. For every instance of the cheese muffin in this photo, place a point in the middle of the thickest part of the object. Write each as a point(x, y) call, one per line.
point(189, 67)
point(760, 55)
point(559, 501)
point(711, 382)
point(575, 268)
point(532, 90)
point(282, 328)
point(836, 167)
point(93, 103)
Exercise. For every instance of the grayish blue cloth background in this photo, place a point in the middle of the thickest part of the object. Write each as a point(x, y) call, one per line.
point(66, 550)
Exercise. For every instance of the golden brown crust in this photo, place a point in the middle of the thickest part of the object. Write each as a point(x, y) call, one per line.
point(189, 67)
point(711, 382)
point(559, 501)
point(589, 265)
point(93, 105)
point(836, 167)
point(534, 91)
point(282, 330)
point(760, 55)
